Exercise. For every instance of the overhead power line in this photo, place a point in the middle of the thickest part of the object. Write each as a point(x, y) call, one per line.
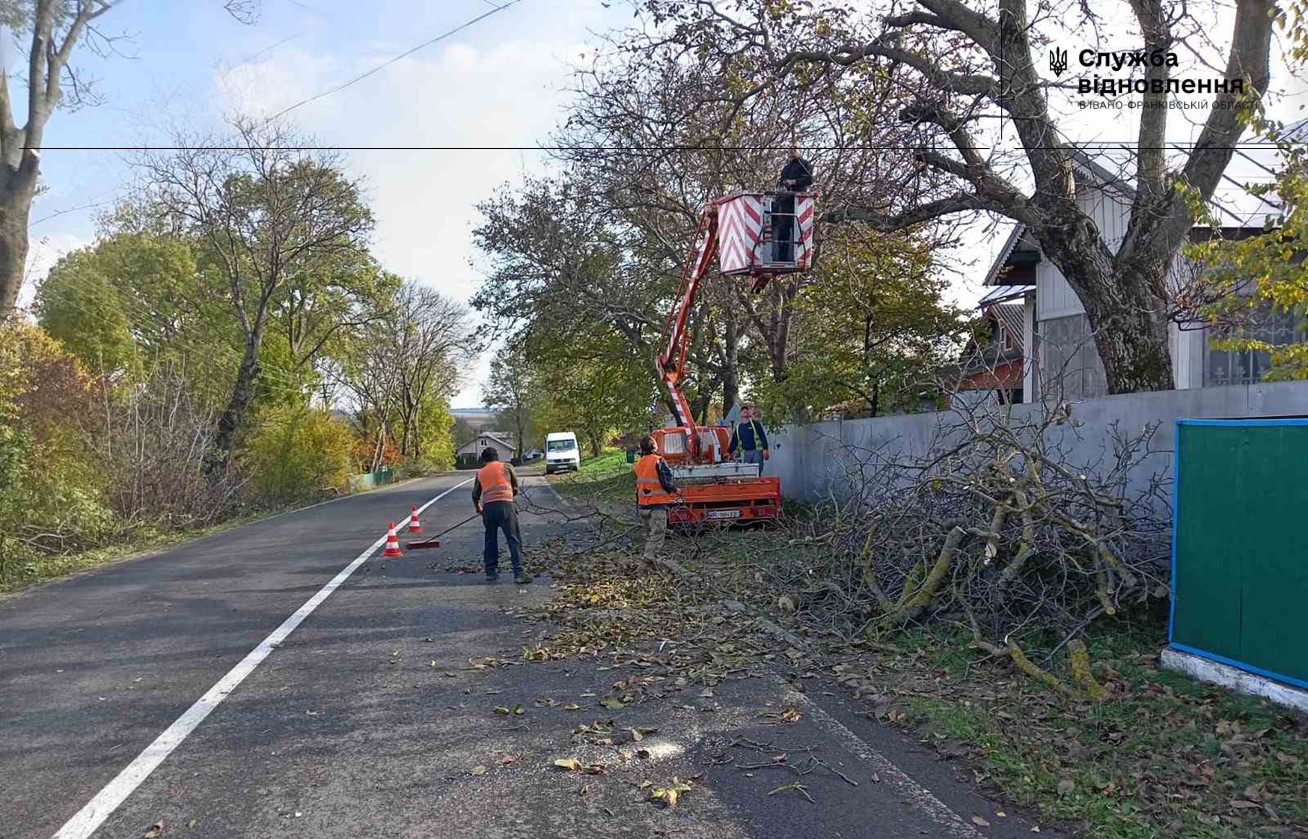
point(399, 57)
point(1131, 147)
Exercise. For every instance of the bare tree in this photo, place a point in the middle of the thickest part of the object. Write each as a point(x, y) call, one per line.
point(960, 68)
point(435, 344)
point(654, 133)
point(420, 345)
point(510, 390)
point(268, 210)
point(52, 29)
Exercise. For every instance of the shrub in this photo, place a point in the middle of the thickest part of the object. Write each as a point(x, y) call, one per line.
point(297, 453)
point(51, 495)
point(152, 449)
point(365, 448)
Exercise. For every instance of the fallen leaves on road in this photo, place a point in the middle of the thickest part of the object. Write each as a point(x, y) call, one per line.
point(787, 717)
point(1240, 767)
point(572, 764)
point(477, 770)
point(670, 794)
point(155, 830)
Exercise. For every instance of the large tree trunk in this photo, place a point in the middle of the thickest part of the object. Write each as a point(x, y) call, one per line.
point(224, 444)
point(1124, 303)
point(16, 189)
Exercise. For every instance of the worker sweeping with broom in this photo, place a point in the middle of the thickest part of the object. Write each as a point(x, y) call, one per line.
point(493, 491)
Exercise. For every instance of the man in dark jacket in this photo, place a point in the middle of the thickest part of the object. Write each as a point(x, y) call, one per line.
point(796, 176)
point(750, 438)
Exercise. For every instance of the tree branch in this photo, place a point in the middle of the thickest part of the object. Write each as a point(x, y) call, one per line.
point(958, 203)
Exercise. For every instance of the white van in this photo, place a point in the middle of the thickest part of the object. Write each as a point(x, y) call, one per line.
point(561, 452)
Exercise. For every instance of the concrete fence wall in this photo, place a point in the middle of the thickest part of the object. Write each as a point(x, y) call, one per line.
point(813, 461)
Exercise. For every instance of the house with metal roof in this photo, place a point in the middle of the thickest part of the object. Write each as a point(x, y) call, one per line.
point(502, 443)
point(1056, 354)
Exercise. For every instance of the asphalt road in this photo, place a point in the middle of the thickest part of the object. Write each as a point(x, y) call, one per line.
point(376, 715)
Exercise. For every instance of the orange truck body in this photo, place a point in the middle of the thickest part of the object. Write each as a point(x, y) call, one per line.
point(733, 500)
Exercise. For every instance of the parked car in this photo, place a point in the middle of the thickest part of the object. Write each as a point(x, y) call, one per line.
point(534, 454)
point(561, 452)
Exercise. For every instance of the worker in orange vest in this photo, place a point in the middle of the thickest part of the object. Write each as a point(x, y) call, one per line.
point(655, 492)
point(492, 496)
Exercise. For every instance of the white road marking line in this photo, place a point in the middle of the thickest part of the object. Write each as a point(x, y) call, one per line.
point(125, 783)
point(932, 807)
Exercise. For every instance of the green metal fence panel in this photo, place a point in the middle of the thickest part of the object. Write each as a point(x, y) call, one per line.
point(369, 480)
point(1239, 568)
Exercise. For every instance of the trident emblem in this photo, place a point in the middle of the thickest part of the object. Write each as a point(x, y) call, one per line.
point(1058, 61)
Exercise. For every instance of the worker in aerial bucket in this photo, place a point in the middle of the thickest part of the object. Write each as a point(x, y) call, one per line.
point(796, 176)
point(655, 492)
point(493, 491)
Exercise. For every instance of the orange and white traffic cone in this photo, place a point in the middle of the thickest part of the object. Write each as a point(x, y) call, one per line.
point(392, 542)
point(415, 526)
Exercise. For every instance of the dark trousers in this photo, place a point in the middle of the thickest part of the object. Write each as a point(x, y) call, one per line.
point(497, 516)
point(783, 227)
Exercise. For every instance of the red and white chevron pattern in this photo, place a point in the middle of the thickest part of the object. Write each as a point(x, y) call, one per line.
point(740, 229)
point(742, 244)
point(805, 206)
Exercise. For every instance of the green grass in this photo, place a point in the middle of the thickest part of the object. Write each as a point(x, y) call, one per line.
point(607, 477)
point(1164, 756)
point(140, 542)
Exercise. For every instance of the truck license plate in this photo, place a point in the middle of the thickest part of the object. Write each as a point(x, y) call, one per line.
point(722, 514)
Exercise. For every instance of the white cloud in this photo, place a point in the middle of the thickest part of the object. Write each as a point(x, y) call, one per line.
point(423, 198)
point(42, 254)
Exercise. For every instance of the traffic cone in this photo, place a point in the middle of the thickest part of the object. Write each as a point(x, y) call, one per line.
point(392, 542)
point(415, 526)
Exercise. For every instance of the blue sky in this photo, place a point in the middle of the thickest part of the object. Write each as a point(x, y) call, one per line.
point(500, 82)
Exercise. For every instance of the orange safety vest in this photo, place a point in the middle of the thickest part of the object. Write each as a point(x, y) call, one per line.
point(494, 481)
point(649, 490)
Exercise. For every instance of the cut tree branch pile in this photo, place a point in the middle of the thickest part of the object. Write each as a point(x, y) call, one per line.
point(993, 531)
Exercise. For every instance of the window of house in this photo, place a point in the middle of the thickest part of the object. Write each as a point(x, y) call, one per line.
point(1069, 363)
point(1246, 367)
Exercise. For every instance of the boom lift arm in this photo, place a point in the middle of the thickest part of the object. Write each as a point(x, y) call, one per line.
point(676, 334)
point(741, 228)
point(754, 236)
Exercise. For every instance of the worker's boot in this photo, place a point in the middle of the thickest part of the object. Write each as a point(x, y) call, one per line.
point(522, 578)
